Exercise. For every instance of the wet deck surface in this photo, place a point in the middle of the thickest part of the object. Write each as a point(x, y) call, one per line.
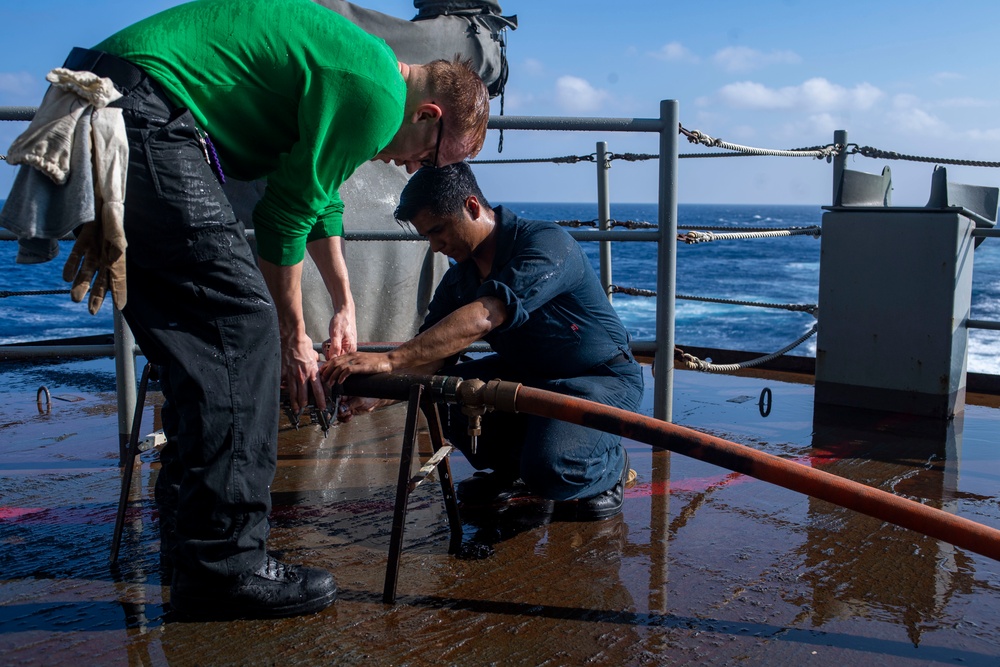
point(703, 567)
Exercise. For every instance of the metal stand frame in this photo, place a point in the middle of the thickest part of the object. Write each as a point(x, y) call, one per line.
point(129, 460)
point(406, 484)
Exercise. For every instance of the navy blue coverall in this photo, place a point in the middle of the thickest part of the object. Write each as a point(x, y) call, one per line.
point(561, 334)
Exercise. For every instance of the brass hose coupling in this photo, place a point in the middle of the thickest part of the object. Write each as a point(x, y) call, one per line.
point(476, 398)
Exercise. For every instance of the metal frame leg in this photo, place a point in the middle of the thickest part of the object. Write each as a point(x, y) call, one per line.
point(433, 415)
point(129, 463)
point(405, 484)
point(402, 494)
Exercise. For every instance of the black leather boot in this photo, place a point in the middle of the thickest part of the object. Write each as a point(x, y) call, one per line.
point(602, 506)
point(491, 490)
point(273, 590)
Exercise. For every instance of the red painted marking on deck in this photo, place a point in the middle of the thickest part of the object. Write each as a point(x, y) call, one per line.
point(689, 485)
point(702, 484)
point(17, 512)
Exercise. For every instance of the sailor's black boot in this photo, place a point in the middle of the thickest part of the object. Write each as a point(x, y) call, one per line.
point(491, 490)
point(601, 506)
point(273, 590)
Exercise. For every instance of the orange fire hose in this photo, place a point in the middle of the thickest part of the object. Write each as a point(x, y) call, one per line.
point(874, 502)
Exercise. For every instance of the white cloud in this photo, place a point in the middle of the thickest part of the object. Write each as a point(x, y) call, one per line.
point(907, 117)
point(744, 59)
point(811, 129)
point(515, 100)
point(675, 52)
point(575, 95)
point(823, 125)
point(916, 121)
point(532, 67)
point(816, 94)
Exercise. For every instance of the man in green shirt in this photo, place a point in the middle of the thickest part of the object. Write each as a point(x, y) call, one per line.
point(291, 91)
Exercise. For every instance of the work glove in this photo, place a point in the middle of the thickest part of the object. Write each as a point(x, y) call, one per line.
point(97, 264)
point(97, 261)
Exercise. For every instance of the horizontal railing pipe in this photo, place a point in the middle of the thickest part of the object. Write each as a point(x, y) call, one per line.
point(992, 325)
point(575, 124)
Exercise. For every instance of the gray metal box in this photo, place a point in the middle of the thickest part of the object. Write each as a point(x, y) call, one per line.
point(895, 290)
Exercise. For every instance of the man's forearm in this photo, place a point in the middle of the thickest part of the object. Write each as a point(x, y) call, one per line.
point(285, 285)
point(451, 335)
point(328, 254)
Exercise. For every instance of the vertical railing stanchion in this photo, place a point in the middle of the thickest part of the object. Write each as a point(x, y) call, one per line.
point(124, 381)
point(604, 214)
point(666, 263)
point(839, 163)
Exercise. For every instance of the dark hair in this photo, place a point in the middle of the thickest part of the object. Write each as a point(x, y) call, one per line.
point(441, 191)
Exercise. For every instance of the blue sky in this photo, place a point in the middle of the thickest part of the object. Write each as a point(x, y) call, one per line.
point(914, 77)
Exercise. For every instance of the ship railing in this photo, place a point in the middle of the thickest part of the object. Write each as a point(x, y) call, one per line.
point(664, 233)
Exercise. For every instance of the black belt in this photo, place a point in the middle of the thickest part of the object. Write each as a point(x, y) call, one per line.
point(123, 73)
point(620, 358)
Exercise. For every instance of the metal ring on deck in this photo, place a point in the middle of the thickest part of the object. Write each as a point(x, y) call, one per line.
point(48, 400)
point(764, 403)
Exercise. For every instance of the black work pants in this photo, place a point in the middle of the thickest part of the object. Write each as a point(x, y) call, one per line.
point(200, 310)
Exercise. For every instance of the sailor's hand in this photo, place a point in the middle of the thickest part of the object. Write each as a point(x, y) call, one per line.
point(340, 368)
point(300, 367)
point(358, 405)
point(343, 334)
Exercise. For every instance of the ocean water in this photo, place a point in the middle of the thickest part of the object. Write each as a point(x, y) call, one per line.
point(777, 270)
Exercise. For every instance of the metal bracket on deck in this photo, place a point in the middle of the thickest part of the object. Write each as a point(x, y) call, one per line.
point(978, 202)
point(858, 188)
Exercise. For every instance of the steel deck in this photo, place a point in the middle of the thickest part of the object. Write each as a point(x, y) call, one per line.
point(703, 567)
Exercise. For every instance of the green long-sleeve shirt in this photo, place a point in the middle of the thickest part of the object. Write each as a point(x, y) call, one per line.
point(286, 89)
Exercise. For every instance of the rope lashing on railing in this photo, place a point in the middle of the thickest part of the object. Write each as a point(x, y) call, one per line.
point(878, 153)
point(819, 152)
point(695, 364)
point(705, 237)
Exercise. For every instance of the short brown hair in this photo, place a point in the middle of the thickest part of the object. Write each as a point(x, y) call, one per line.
point(464, 95)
